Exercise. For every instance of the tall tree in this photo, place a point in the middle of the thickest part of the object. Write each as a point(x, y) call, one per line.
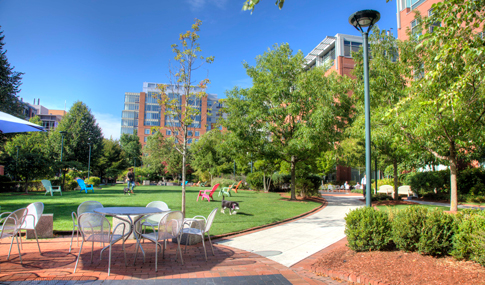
point(10, 82)
point(444, 112)
point(181, 99)
point(33, 161)
point(112, 162)
point(162, 159)
point(251, 4)
point(290, 113)
point(131, 146)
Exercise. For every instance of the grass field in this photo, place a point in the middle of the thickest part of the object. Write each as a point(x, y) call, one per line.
point(255, 208)
point(400, 207)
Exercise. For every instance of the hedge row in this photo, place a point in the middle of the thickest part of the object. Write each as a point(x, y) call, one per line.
point(417, 228)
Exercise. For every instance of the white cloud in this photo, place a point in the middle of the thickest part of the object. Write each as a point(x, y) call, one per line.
point(196, 5)
point(109, 124)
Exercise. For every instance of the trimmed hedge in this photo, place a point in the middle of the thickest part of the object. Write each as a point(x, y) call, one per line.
point(367, 229)
point(407, 225)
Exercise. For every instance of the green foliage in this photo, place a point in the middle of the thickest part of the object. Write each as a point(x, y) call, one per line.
point(223, 182)
point(112, 162)
point(131, 146)
point(308, 186)
point(255, 180)
point(471, 181)
point(468, 241)
point(384, 181)
point(367, 229)
point(407, 226)
point(93, 180)
point(10, 82)
point(377, 197)
point(211, 154)
point(423, 182)
point(251, 4)
point(81, 128)
point(162, 158)
point(437, 233)
point(281, 180)
point(289, 113)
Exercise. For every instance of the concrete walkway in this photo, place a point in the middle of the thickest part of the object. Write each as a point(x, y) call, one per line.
point(292, 242)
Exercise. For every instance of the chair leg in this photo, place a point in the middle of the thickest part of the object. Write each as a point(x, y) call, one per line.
point(35, 232)
point(211, 243)
point(203, 244)
point(18, 247)
point(156, 256)
point(180, 251)
point(186, 241)
point(136, 253)
point(20, 235)
point(92, 249)
point(11, 243)
point(78, 256)
point(72, 236)
point(109, 259)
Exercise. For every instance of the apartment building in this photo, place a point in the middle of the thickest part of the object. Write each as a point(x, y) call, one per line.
point(142, 112)
point(406, 11)
point(336, 54)
point(50, 118)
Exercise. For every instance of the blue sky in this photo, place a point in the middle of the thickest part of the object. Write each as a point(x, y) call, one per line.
point(96, 50)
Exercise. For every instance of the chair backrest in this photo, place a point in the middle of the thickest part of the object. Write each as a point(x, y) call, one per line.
point(210, 219)
point(88, 207)
point(387, 188)
point(47, 185)
point(158, 204)
point(214, 188)
point(330, 187)
point(404, 188)
point(35, 211)
point(94, 224)
point(171, 223)
point(186, 182)
point(12, 223)
point(238, 184)
point(81, 184)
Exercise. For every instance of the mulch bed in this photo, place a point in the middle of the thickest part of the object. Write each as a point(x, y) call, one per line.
point(398, 267)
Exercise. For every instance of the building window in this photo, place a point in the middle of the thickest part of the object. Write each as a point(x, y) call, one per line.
point(197, 133)
point(189, 141)
point(189, 133)
point(196, 140)
point(175, 133)
point(435, 25)
point(145, 139)
point(168, 132)
point(415, 28)
point(147, 131)
point(351, 47)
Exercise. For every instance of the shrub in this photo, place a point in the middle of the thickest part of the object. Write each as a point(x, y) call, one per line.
point(426, 182)
point(467, 242)
point(280, 181)
point(255, 180)
point(308, 186)
point(367, 229)
point(93, 180)
point(223, 182)
point(407, 225)
point(379, 196)
point(437, 233)
point(471, 181)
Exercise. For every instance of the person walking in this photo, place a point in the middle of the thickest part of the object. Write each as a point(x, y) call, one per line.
point(131, 180)
point(363, 182)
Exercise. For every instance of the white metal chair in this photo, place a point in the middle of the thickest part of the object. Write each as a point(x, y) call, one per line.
point(11, 226)
point(153, 220)
point(95, 227)
point(85, 207)
point(169, 227)
point(330, 188)
point(35, 211)
point(201, 233)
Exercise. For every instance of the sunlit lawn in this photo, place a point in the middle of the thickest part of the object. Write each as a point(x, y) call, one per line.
point(255, 208)
point(400, 207)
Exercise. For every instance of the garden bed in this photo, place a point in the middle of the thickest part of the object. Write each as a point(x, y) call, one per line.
point(398, 267)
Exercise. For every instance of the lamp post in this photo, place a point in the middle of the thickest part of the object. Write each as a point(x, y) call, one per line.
point(89, 159)
point(16, 162)
point(360, 20)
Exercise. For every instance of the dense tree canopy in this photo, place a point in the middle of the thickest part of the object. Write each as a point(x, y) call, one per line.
point(10, 82)
point(290, 113)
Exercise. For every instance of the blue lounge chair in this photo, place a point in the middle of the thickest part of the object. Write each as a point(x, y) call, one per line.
point(84, 187)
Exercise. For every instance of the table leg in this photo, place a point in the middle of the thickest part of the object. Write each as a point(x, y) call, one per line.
point(135, 233)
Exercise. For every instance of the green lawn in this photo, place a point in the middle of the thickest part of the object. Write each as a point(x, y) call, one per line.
point(255, 208)
point(400, 207)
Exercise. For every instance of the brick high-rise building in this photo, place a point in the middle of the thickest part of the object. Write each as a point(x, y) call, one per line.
point(406, 13)
point(142, 112)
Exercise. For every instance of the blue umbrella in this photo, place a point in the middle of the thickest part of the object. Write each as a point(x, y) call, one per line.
point(12, 124)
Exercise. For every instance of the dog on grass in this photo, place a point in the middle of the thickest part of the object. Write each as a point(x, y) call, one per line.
point(128, 190)
point(232, 206)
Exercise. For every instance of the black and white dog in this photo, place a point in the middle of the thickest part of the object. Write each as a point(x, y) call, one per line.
point(128, 190)
point(232, 206)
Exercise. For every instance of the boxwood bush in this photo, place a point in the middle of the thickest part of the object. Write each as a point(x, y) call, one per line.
point(407, 225)
point(437, 233)
point(367, 229)
point(468, 242)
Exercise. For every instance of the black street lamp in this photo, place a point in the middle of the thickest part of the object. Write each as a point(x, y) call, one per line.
point(360, 20)
point(89, 160)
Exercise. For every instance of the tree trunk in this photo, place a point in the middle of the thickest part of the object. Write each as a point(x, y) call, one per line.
point(264, 182)
point(184, 158)
point(293, 174)
point(454, 173)
point(396, 179)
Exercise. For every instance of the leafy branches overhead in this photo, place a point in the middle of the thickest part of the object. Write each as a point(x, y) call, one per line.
point(251, 4)
point(10, 82)
point(289, 113)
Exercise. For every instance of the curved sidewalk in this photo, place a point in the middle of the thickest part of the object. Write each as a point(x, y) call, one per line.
point(292, 242)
